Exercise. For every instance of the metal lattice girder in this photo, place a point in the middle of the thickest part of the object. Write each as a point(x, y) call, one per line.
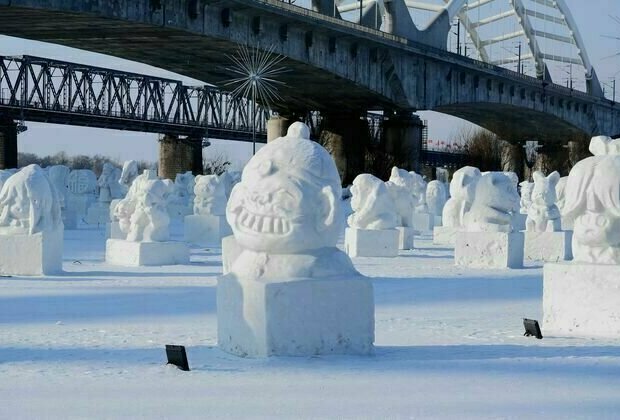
point(40, 89)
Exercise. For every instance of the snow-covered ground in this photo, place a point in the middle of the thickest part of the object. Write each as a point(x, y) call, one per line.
point(90, 344)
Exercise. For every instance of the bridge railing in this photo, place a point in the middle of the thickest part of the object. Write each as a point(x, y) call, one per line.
point(40, 89)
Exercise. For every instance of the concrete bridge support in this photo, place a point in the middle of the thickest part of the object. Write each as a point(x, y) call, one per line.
point(8, 144)
point(513, 159)
point(402, 138)
point(345, 136)
point(179, 155)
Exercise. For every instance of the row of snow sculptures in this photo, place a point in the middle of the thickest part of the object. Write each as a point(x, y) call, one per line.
point(208, 225)
point(487, 239)
point(582, 297)
point(291, 291)
point(544, 238)
point(462, 190)
point(31, 229)
point(372, 226)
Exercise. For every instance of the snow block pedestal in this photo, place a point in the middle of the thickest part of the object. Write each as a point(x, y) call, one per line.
point(548, 246)
point(300, 317)
point(113, 231)
point(581, 299)
point(135, 254)
point(423, 222)
point(371, 243)
point(230, 251)
point(206, 230)
point(405, 237)
point(31, 255)
point(489, 249)
point(444, 235)
point(98, 214)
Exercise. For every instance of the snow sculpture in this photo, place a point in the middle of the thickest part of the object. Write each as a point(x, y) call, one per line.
point(109, 189)
point(30, 224)
point(82, 187)
point(372, 205)
point(125, 208)
point(149, 222)
point(495, 200)
point(401, 188)
point(560, 192)
point(129, 173)
point(180, 202)
point(436, 197)
point(581, 298)
point(526, 196)
point(371, 231)
point(419, 192)
point(148, 234)
point(59, 177)
point(544, 240)
point(592, 201)
point(4, 175)
point(462, 190)
point(291, 291)
point(487, 240)
point(543, 215)
point(208, 225)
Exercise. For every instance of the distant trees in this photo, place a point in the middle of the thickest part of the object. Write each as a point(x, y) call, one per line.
point(94, 163)
point(482, 147)
point(215, 165)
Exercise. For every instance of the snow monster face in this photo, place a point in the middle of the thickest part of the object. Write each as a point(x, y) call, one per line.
point(288, 199)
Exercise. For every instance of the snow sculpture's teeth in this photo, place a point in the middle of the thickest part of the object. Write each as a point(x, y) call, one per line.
point(263, 224)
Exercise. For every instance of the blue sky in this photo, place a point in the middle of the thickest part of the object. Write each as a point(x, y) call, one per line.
point(592, 17)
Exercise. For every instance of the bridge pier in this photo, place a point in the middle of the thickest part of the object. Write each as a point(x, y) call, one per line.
point(277, 126)
point(179, 156)
point(8, 144)
point(345, 136)
point(513, 159)
point(402, 138)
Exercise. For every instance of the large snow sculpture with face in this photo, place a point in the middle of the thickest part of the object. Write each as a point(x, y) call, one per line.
point(495, 201)
point(543, 215)
point(592, 201)
point(288, 200)
point(401, 188)
point(149, 222)
point(462, 190)
point(372, 205)
point(210, 195)
point(436, 197)
point(29, 203)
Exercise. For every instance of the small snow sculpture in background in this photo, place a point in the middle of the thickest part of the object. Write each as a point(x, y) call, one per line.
point(419, 193)
point(149, 222)
point(592, 202)
point(109, 187)
point(526, 196)
point(543, 215)
point(125, 208)
point(495, 201)
point(128, 174)
point(436, 197)
point(29, 203)
point(401, 187)
point(372, 205)
point(210, 195)
point(462, 190)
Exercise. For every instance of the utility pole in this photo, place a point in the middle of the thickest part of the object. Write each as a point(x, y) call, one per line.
point(361, 10)
point(458, 36)
point(519, 69)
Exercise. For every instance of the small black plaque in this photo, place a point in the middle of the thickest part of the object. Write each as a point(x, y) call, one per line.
point(176, 356)
point(532, 329)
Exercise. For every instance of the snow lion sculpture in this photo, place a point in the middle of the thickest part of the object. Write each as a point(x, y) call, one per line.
point(372, 205)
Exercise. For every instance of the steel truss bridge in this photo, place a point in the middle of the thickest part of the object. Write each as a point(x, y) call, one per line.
point(51, 91)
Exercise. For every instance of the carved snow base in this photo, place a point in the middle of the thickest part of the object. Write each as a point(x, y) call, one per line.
point(518, 222)
point(300, 317)
point(405, 237)
point(445, 235)
point(176, 211)
point(581, 299)
point(113, 231)
point(371, 243)
point(136, 254)
point(489, 249)
point(206, 230)
point(548, 246)
point(98, 214)
point(423, 222)
point(31, 255)
point(230, 251)
point(69, 219)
